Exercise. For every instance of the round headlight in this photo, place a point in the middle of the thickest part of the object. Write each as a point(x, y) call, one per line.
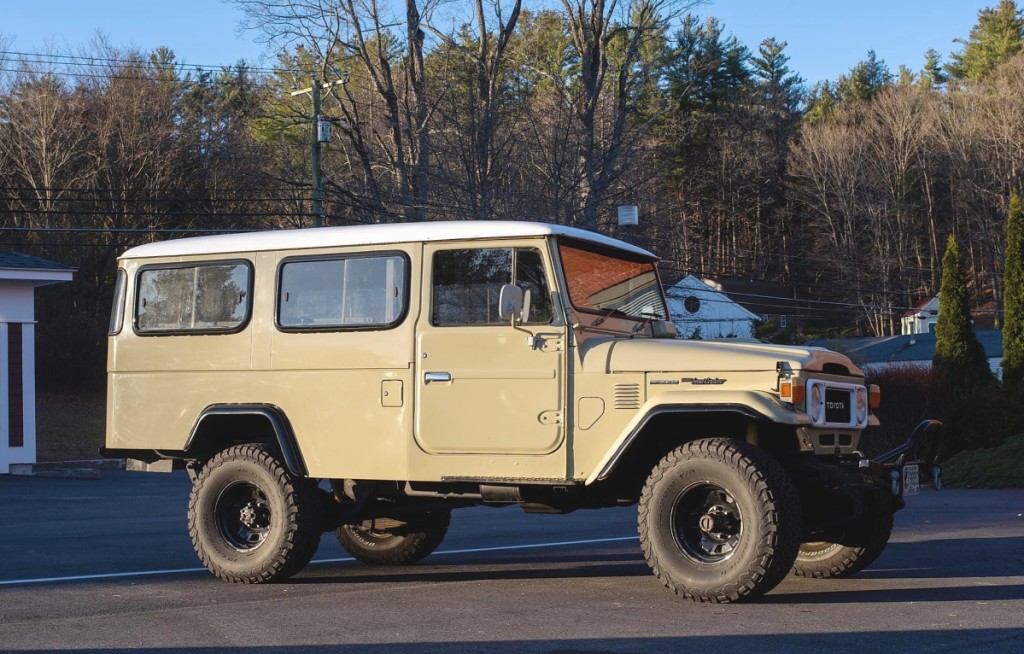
point(862, 405)
point(816, 403)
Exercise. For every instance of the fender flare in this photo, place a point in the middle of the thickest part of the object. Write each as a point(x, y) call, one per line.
point(283, 431)
point(612, 461)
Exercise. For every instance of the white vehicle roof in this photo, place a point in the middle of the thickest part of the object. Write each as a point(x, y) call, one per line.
point(322, 237)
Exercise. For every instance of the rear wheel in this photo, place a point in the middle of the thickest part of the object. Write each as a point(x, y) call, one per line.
point(857, 548)
point(383, 541)
point(252, 521)
point(719, 521)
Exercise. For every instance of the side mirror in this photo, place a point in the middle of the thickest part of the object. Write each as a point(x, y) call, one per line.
point(510, 302)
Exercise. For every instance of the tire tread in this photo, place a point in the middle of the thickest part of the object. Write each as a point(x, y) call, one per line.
point(301, 520)
point(776, 550)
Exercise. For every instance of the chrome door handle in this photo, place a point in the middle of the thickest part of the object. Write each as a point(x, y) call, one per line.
point(436, 377)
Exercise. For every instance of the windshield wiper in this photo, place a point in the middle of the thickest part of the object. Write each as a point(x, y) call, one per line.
point(612, 311)
point(648, 318)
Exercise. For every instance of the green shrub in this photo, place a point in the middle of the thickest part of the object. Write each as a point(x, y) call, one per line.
point(997, 467)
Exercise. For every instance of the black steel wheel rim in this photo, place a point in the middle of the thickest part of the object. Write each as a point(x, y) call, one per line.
point(707, 523)
point(243, 517)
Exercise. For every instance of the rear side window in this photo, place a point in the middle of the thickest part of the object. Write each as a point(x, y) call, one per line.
point(204, 298)
point(117, 310)
point(356, 292)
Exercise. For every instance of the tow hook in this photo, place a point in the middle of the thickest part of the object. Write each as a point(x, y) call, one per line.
point(921, 450)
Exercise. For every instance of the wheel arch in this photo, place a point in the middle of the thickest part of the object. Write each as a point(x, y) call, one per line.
point(221, 425)
point(665, 428)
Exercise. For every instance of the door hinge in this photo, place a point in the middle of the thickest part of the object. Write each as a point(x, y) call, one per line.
point(549, 343)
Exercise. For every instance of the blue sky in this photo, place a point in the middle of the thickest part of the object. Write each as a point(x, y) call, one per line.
point(826, 38)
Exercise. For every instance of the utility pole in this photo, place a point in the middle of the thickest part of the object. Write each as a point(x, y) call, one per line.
point(320, 132)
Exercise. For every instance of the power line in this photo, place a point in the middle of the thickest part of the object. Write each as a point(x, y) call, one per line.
point(96, 61)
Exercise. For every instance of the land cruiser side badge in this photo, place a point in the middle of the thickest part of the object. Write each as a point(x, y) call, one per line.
point(696, 381)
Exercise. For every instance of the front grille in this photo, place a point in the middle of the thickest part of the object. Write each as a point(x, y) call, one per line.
point(838, 406)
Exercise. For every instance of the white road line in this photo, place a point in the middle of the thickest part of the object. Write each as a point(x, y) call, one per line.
point(474, 550)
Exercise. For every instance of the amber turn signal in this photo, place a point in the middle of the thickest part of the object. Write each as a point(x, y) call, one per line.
point(791, 392)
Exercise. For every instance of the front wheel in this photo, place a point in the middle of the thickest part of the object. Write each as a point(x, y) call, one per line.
point(252, 521)
point(383, 541)
point(855, 549)
point(719, 521)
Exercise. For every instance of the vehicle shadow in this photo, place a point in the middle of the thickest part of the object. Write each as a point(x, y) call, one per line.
point(946, 558)
point(978, 640)
point(550, 567)
point(996, 558)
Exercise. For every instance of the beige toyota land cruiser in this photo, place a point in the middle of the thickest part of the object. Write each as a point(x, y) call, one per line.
point(368, 380)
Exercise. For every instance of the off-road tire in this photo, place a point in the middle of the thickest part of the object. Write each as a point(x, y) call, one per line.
point(858, 548)
point(395, 543)
point(706, 497)
point(252, 521)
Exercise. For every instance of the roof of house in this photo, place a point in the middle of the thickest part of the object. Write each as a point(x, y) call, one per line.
point(711, 304)
point(370, 235)
point(921, 306)
point(761, 296)
point(18, 261)
point(904, 349)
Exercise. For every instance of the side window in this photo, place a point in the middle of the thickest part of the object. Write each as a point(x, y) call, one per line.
point(117, 308)
point(204, 298)
point(358, 292)
point(467, 283)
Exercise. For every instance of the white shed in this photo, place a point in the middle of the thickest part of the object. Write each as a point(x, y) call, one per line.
point(699, 310)
point(20, 275)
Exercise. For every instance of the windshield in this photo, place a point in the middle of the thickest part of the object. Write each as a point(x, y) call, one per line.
point(602, 282)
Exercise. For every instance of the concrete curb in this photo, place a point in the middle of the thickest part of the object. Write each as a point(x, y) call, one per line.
point(85, 469)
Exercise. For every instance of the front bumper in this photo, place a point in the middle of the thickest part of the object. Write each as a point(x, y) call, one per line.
point(921, 449)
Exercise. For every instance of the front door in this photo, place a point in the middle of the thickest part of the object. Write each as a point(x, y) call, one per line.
point(484, 386)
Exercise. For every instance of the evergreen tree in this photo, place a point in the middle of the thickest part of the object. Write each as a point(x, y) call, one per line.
point(932, 75)
point(959, 359)
point(821, 102)
point(864, 80)
point(1013, 297)
point(905, 77)
point(998, 35)
point(779, 87)
point(708, 69)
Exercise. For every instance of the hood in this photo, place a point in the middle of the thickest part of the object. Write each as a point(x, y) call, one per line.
point(664, 355)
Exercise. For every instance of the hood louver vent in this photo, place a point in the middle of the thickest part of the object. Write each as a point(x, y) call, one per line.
point(627, 396)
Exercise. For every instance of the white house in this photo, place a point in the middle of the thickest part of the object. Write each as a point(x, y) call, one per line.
point(20, 275)
point(922, 318)
point(697, 309)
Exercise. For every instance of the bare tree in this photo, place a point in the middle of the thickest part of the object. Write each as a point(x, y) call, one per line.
point(392, 150)
point(603, 97)
point(42, 139)
point(474, 100)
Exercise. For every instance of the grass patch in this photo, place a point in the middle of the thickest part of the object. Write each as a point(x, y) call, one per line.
point(997, 467)
point(69, 427)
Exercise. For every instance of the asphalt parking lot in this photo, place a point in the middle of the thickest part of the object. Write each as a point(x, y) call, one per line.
point(107, 565)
